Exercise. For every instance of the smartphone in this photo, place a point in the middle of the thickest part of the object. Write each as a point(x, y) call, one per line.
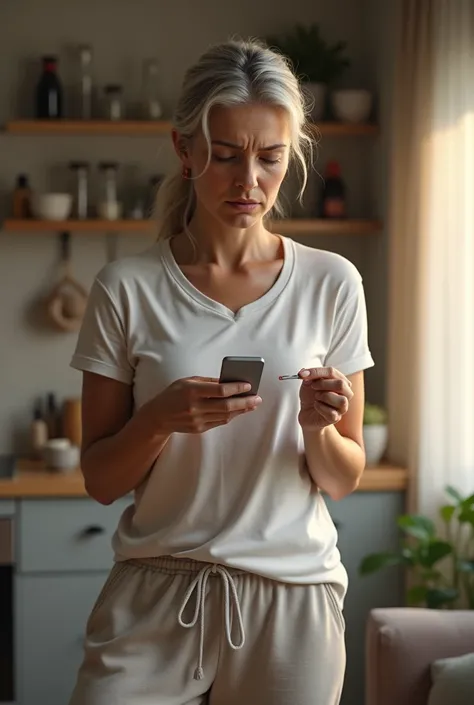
point(243, 369)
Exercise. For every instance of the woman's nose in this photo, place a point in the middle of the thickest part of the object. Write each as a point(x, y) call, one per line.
point(247, 176)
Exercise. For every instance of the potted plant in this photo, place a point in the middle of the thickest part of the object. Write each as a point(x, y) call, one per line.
point(441, 568)
point(318, 63)
point(375, 433)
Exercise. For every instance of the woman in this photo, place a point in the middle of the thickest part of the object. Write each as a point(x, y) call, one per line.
point(228, 585)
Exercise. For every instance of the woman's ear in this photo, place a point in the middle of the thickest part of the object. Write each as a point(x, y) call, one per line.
point(180, 144)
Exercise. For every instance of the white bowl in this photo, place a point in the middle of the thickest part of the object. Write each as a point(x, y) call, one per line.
point(52, 206)
point(352, 105)
point(59, 454)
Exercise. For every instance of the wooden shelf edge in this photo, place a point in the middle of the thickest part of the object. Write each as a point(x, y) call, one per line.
point(384, 478)
point(290, 226)
point(93, 225)
point(32, 480)
point(88, 127)
point(158, 127)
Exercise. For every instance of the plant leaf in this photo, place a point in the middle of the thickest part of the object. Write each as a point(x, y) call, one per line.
point(446, 512)
point(466, 516)
point(377, 561)
point(418, 526)
point(434, 552)
point(452, 491)
point(417, 594)
point(437, 597)
point(409, 556)
point(468, 502)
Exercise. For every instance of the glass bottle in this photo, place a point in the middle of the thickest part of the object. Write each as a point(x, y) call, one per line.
point(49, 91)
point(114, 102)
point(152, 106)
point(82, 190)
point(85, 61)
point(21, 207)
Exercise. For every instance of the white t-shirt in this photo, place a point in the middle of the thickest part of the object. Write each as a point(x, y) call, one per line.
point(240, 494)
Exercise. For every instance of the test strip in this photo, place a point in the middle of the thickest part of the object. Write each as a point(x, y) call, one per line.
point(283, 377)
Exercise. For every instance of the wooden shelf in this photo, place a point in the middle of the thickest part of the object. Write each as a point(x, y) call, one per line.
point(145, 128)
point(285, 227)
point(84, 226)
point(32, 480)
point(139, 128)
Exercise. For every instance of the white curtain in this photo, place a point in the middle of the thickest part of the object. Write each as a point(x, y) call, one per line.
point(432, 234)
point(446, 418)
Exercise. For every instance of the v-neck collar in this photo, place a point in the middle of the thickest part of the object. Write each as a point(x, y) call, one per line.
point(167, 257)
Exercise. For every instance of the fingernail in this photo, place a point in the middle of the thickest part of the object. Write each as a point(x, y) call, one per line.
point(305, 373)
point(247, 387)
point(257, 401)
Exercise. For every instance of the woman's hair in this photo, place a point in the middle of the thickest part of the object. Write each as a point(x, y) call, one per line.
point(233, 73)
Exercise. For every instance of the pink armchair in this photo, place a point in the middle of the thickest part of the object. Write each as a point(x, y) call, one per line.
point(401, 644)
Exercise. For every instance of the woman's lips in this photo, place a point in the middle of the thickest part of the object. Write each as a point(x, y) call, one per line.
point(244, 206)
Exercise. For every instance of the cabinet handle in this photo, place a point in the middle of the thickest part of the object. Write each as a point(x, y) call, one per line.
point(93, 530)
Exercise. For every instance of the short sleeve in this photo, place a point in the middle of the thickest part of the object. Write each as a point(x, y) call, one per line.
point(102, 345)
point(349, 350)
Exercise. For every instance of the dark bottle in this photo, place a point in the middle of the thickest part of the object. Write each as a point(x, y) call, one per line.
point(333, 193)
point(49, 91)
point(52, 416)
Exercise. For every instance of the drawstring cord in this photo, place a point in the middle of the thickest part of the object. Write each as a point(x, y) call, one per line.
point(231, 603)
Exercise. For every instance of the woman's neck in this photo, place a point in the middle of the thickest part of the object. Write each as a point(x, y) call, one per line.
point(229, 248)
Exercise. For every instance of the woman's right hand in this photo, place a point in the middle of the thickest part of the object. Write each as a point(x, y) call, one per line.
point(197, 404)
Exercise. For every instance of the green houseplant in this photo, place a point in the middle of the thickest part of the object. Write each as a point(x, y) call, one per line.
point(375, 432)
point(317, 63)
point(441, 567)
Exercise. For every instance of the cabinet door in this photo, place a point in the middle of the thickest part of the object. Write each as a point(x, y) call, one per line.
point(366, 523)
point(51, 614)
point(67, 534)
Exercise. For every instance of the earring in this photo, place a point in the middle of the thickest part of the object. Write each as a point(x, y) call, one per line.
point(186, 172)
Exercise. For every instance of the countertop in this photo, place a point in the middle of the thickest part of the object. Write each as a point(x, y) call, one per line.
point(33, 480)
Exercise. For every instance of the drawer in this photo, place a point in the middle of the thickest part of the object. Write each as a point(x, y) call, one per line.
point(50, 619)
point(66, 534)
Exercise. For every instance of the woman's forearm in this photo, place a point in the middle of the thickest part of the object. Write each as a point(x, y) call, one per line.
point(335, 463)
point(114, 466)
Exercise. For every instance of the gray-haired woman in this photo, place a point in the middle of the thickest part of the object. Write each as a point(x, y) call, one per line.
point(227, 586)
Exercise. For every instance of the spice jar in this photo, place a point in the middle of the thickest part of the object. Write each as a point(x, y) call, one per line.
point(114, 109)
point(109, 206)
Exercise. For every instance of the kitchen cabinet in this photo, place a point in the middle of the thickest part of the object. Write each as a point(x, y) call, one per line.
point(366, 523)
point(61, 565)
point(51, 612)
point(63, 558)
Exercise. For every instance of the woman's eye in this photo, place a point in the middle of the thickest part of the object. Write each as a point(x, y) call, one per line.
point(270, 161)
point(219, 158)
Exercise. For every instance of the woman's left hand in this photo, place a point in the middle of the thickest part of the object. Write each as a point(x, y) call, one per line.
point(325, 395)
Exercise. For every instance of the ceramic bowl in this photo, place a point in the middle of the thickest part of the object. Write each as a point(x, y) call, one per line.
point(52, 206)
point(351, 105)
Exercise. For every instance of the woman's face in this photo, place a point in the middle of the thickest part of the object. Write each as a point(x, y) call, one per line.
point(250, 147)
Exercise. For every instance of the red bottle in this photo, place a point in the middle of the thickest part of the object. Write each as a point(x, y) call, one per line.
point(333, 193)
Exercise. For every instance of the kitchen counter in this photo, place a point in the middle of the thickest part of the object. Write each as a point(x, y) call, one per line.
point(33, 480)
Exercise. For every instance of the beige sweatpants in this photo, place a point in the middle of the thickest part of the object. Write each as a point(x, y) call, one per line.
point(178, 632)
